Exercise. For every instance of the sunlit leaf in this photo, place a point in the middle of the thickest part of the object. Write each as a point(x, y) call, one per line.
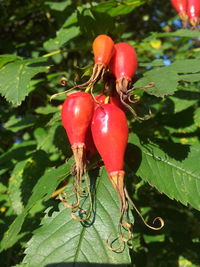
point(172, 169)
point(15, 78)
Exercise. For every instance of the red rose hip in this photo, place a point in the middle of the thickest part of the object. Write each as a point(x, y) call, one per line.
point(76, 115)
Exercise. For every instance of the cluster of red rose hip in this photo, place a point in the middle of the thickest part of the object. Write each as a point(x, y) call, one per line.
point(98, 123)
point(188, 10)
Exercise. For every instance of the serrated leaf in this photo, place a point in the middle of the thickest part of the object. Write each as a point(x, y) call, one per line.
point(185, 66)
point(41, 191)
point(64, 240)
point(197, 117)
point(63, 36)
point(15, 78)
point(172, 168)
point(14, 187)
point(165, 80)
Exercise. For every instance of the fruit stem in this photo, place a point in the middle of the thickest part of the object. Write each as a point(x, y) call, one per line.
point(107, 99)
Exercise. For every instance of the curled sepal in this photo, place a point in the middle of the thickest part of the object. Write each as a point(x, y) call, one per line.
point(161, 221)
point(124, 227)
point(124, 236)
point(126, 96)
point(82, 209)
point(132, 109)
point(194, 22)
point(111, 244)
point(64, 199)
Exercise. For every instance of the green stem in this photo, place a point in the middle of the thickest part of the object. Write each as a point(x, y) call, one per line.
point(106, 101)
point(52, 53)
point(88, 89)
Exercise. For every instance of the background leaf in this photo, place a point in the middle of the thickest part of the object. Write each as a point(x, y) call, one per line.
point(41, 191)
point(63, 36)
point(15, 78)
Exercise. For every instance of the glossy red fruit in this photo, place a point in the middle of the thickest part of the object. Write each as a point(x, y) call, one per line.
point(180, 6)
point(110, 134)
point(194, 12)
point(103, 48)
point(77, 113)
point(123, 63)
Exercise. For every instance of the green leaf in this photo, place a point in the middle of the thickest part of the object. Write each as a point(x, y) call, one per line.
point(93, 23)
point(115, 8)
point(72, 242)
point(41, 191)
point(165, 80)
point(105, 6)
point(172, 168)
point(72, 19)
point(63, 36)
point(124, 8)
point(58, 6)
point(185, 66)
point(197, 117)
point(14, 187)
point(46, 110)
point(4, 59)
point(183, 262)
point(47, 139)
point(15, 78)
point(180, 33)
point(191, 77)
point(16, 124)
point(183, 99)
point(16, 153)
point(154, 63)
point(3, 189)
